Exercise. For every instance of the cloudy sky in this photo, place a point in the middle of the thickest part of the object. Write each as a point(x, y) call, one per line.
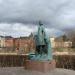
point(20, 17)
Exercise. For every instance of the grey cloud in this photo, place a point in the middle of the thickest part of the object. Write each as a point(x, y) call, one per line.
point(59, 14)
point(28, 11)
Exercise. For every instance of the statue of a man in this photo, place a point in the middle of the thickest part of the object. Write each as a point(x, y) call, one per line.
point(41, 34)
point(43, 46)
point(41, 40)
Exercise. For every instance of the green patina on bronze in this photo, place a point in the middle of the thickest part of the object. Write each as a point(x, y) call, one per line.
point(43, 45)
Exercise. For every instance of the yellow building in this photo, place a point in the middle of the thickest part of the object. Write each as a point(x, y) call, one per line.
point(60, 43)
point(2, 41)
point(52, 40)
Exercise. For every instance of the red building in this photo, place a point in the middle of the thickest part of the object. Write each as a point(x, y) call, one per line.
point(9, 41)
point(24, 44)
point(21, 44)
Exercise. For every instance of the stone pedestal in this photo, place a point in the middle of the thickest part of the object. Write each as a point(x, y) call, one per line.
point(42, 66)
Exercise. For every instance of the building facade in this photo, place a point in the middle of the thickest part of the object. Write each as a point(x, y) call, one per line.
point(60, 42)
point(9, 41)
point(24, 44)
point(2, 41)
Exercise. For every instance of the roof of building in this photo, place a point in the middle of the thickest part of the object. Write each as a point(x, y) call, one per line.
point(8, 37)
point(62, 38)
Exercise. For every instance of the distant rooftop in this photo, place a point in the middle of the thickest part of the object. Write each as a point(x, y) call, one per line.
point(1, 36)
point(8, 36)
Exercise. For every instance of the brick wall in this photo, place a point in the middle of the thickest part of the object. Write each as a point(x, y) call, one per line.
point(9, 42)
point(24, 44)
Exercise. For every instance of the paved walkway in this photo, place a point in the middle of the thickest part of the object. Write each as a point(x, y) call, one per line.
point(22, 71)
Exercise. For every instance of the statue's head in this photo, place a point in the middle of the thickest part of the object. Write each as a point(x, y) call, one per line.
point(40, 23)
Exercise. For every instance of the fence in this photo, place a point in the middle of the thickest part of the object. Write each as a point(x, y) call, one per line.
point(65, 61)
point(62, 61)
point(12, 60)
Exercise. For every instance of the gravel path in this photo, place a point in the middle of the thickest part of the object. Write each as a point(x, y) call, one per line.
point(22, 71)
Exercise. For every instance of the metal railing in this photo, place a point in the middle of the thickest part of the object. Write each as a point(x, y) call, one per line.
point(12, 60)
